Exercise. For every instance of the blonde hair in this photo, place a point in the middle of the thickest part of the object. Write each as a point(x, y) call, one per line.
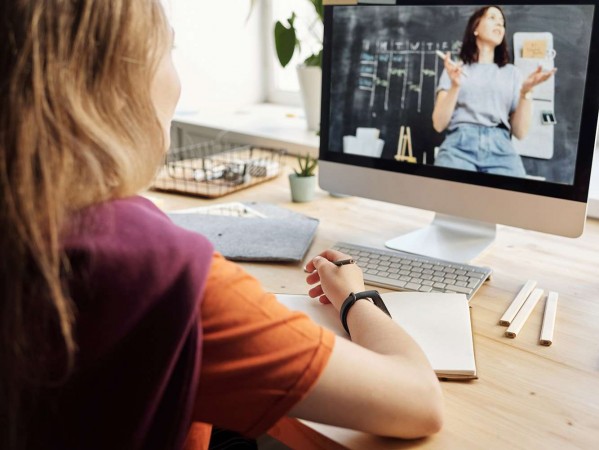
point(77, 127)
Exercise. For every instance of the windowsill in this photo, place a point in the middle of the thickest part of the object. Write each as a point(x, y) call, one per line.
point(281, 126)
point(261, 124)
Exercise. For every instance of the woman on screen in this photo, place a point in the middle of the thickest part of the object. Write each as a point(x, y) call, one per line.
point(120, 330)
point(483, 100)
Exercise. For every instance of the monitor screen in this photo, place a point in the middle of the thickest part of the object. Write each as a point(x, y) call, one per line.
point(462, 99)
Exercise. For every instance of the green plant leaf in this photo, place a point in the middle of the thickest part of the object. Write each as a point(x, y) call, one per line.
point(285, 40)
point(319, 8)
point(314, 60)
point(307, 166)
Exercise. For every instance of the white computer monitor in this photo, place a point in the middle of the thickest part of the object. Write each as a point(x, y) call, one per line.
point(381, 77)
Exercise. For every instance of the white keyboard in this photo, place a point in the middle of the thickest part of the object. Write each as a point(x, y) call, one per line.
point(410, 272)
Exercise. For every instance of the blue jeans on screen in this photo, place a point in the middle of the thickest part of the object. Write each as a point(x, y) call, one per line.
point(481, 149)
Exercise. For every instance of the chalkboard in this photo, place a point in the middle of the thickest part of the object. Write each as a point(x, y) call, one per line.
point(384, 73)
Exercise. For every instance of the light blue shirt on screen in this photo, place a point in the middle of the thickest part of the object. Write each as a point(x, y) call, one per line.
point(488, 95)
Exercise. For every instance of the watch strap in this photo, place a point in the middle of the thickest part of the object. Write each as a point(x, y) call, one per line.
point(354, 297)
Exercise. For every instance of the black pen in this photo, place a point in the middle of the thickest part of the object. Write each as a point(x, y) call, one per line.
point(343, 262)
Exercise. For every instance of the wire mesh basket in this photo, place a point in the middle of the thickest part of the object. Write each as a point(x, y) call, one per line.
point(213, 168)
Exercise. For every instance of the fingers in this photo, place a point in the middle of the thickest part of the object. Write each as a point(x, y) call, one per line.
point(331, 283)
point(329, 254)
point(548, 74)
point(313, 278)
point(324, 300)
point(453, 69)
point(447, 61)
point(316, 291)
point(539, 75)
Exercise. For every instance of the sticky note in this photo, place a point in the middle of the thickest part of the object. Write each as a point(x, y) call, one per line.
point(534, 48)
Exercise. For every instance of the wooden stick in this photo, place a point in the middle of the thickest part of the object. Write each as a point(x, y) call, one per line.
point(517, 303)
point(549, 319)
point(409, 133)
point(523, 314)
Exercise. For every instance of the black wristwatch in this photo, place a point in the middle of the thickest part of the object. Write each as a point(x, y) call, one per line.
point(353, 298)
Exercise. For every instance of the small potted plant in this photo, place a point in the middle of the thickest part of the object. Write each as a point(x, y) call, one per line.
point(303, 181)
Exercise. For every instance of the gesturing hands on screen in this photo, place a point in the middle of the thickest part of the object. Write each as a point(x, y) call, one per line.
point(454, 70)
point(535, 78)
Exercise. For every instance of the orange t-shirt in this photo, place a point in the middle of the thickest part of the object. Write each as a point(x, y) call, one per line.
point(258, 359)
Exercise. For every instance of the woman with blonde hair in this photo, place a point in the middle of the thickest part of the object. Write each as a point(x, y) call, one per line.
point(121, 330)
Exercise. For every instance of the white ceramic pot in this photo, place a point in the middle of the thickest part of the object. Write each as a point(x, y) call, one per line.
point(302, 188)
point(310, 81)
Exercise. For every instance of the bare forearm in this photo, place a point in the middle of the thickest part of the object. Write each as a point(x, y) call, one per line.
point(372, 329)
point(389, 373)
point(444, 108)
point(522, 118)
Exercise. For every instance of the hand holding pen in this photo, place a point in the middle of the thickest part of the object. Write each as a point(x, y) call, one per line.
point(454, 70)
point(333, 275)
point(343, 262)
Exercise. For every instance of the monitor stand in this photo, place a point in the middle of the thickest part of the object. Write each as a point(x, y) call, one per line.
point(449, 238)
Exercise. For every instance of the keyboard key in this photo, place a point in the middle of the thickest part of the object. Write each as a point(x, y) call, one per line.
point(459, 289)
point(475, 274)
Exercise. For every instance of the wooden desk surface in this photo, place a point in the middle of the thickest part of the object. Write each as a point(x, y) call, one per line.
point(528, 396)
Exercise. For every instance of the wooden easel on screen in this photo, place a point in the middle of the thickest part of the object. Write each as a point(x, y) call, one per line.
point(405, 145)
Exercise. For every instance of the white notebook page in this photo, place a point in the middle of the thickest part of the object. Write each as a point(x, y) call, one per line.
point(438, 322)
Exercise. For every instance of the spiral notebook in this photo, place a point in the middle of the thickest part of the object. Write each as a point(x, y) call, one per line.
point(439, 322)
